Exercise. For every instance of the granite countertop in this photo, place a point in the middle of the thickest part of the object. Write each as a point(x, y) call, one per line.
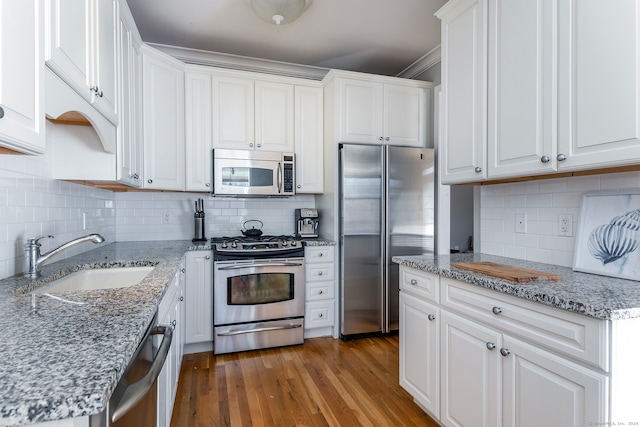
point(63, 359)
point(597, 296)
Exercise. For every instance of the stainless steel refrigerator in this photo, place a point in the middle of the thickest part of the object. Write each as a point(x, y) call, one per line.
point(387, 208)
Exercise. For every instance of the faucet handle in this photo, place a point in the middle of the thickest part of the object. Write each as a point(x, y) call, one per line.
point(33, 241)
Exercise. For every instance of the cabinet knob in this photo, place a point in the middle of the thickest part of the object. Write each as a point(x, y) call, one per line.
point(320, 292)
point(386, 139)
point(491, 346)
point(320, 254)
point(545, 159)
point(251, 144)
point(496, 310)
point(150, 181)
point(181, 298)
point(207, 184)
point(135, 176)
point(478, 169)
point(414, 282)
point(561, 157)
point(174, 323)
point(1, 112)
point(94, 89)
point(182, 270)
point(259, 145)
point(381, 138)
point(298, 186)
point(208, 257)
point(320, 315)
point(431, 317)
point(505, 351)
point(319, 273)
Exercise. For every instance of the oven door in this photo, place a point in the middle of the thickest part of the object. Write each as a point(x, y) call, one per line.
point(258, 290)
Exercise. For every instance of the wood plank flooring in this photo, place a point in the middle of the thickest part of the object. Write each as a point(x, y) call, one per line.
point(325, 382)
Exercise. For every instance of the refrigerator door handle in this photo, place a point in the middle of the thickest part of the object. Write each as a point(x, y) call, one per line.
point(384, 274)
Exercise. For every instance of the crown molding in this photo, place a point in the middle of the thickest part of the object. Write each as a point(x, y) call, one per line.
point(427, 61)
point(237, 62)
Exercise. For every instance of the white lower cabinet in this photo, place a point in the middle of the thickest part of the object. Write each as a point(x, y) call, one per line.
point(171, 313)
point(500, 360)
point(199, 297)
point(319, 316)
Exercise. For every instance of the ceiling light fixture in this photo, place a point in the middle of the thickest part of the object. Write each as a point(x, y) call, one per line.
point(279, 11)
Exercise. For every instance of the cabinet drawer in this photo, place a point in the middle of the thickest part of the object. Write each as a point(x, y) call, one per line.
point(319, 272)
point(315, 254)
point(582, 337)
point(319, 291)
point(318, 314)
point(420, 283)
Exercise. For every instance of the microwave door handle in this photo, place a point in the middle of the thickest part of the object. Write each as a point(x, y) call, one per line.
point(279, 177)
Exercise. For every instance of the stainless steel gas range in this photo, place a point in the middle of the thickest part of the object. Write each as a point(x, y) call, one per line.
point(258, 292)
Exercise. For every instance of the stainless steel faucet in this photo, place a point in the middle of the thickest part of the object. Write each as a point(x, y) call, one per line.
point(35, 259)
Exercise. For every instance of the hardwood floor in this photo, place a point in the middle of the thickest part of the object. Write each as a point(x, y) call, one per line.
point(325, 382)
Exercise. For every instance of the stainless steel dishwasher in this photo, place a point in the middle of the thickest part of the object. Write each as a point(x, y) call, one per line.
point(134, 401)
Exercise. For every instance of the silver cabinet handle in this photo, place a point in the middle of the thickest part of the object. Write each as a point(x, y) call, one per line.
point(182, 270)
point(381, 138)
point(319, 273)
point(94, 89)
point(259, 145)
point(207, 184)
point(505, 351)
point(181, 299)
point(251, 144)
point(478, 169)
point(431, 317)
point(150, 181)
point(545, 159)
point(1, 112)
point(320, 315)
point(174, 324)
point(298, 186)
point(208, 257)
point(136, 391)
point(491, 346)
point(320, 292)
point(135, 176)
point(386, 139)
point(414, 282)
point(320, 254)
point(561, 157)
point(250, 331)
point(496, 310)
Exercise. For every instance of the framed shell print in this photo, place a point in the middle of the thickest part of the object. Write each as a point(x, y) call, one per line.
point(608, 239)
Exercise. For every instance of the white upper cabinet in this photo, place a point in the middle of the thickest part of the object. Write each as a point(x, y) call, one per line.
point(22, 75)
point(233, 113)
point(380, 112)
point(163, 121)
point(252, 114)
point(81, 49)
point(462, 147)
point(309, 133)
point(198, 129)
point(130, 142)
point(540, 112)
point(523, 76)
point(599, 42)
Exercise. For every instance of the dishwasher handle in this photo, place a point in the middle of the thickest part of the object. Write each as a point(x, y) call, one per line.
point(136, 391)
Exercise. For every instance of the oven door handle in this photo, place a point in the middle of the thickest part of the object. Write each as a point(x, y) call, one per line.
point(265, 329)
point(266, 264)
point(136, 391)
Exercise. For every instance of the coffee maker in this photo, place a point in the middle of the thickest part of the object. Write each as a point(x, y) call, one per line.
point(307, 222)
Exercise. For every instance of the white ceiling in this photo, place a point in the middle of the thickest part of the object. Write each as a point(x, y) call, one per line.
point(372, 36)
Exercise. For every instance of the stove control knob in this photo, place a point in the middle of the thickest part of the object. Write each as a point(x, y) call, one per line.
point(285, 243)
point(224, 245)
point(294, 243)
point(234, 245)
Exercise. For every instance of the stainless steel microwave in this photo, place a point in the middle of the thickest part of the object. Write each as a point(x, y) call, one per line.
point(253, 173)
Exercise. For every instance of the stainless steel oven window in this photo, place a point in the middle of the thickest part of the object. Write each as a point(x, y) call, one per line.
point(260, 288)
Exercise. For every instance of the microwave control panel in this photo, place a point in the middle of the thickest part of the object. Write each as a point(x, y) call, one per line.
point(288, 178)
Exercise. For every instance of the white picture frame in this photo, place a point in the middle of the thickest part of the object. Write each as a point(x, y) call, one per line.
point(608, 237)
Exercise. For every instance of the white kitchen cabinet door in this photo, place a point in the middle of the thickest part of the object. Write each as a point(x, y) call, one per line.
point(22, 75)
point(81, 49)
point(163, 111)
point(471, 384)
point(198, 129)
point(599, 125)
point(199, 297)
point(233, 113)
point(405, 115)
point(420, 351)
point(274, 125)
point(522, 87)
point(360, 111)
point(309, 140)
point(129, 151)
point(543, 389)
point(463, 120)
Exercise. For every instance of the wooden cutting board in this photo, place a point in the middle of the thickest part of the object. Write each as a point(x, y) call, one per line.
point(502, 271)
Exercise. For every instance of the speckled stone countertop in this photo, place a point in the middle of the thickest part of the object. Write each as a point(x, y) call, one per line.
point(64, 360)
point(597, 296)
point(319, 241)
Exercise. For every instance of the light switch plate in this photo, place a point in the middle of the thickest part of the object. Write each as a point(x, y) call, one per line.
point(521, 223)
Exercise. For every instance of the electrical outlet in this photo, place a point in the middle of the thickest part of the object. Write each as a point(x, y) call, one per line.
point(565, 225)
point(166, 218)
point(521, 223)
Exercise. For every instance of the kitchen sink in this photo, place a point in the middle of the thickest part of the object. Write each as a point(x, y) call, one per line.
point(100, 278)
